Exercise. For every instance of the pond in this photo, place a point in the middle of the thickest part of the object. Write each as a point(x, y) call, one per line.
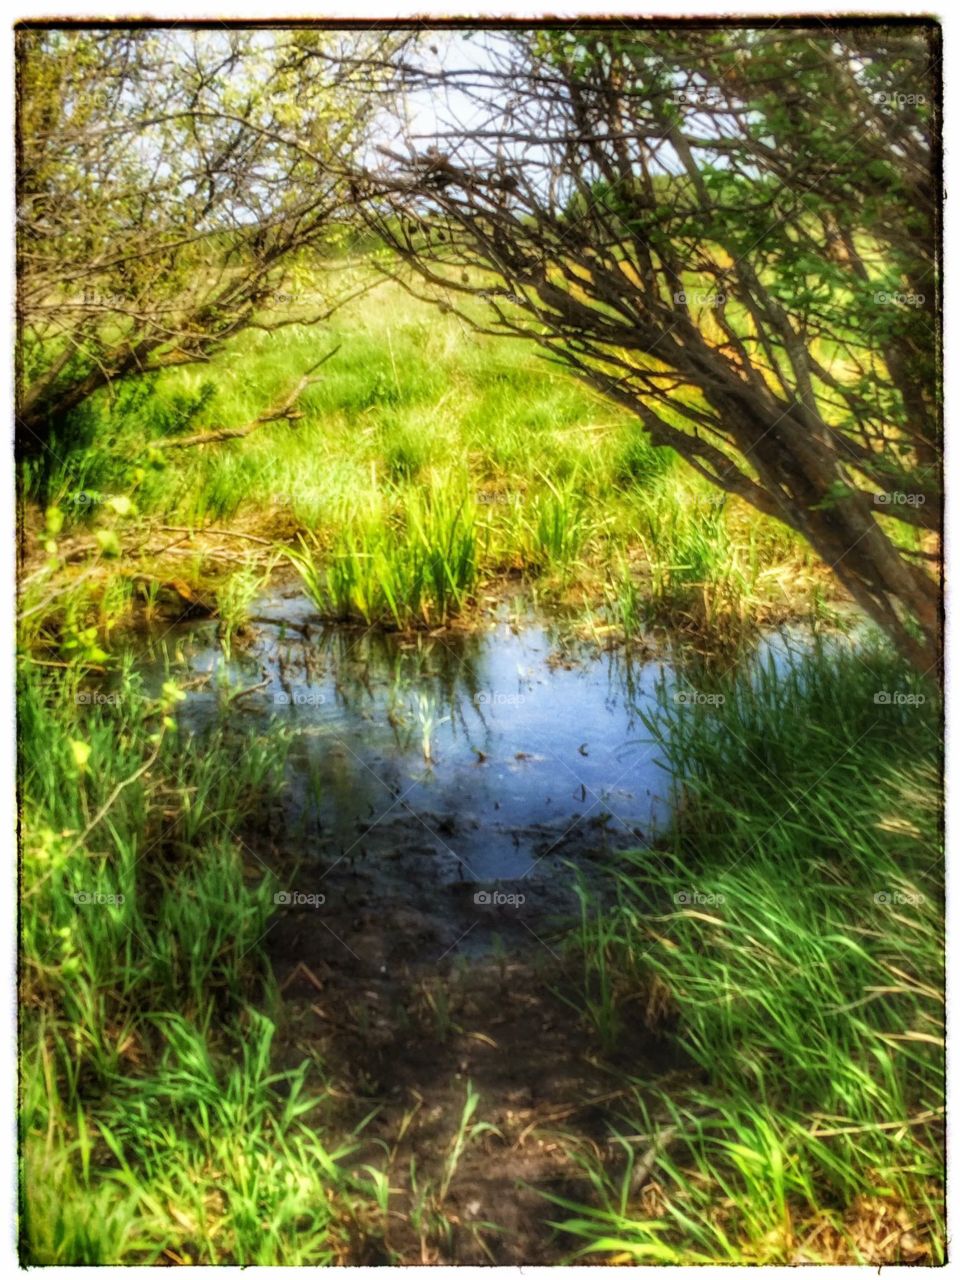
point(502, 742)
point(493, 765)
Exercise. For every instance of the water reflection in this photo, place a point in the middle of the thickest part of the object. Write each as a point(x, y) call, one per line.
point(496, 748)
point(493, 751)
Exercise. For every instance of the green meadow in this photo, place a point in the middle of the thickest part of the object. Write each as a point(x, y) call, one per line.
point(427, 460)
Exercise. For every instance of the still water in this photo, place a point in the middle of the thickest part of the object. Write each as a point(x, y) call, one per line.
point(496, 751)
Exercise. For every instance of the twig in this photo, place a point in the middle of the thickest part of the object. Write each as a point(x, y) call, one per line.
point(43, 662)
point(924, 1118)
point(222, 533)
point(282, 409)
point(205, 553)
point(334, 1022)
point(645, 1166)
point(114, 794)
point(303, 628)
point(553, 1114)
point(45, 603)
point(302, 971)
point(235, 697)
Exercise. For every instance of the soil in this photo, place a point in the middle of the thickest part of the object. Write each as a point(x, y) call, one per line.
point(406, 989)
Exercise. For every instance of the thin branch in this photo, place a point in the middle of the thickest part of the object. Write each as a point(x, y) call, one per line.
point(282, 409)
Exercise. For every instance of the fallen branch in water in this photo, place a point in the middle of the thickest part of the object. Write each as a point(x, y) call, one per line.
point(252, 688)
point(281, 410)
point(303, 628)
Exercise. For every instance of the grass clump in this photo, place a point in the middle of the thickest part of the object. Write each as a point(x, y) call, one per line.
point(416, 569)
point(555, 525)
point(791, 937)
point(235, 596)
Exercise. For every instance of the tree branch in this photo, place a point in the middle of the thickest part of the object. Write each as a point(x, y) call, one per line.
point(282, 409)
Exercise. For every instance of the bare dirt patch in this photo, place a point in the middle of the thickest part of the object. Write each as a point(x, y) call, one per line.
point(407, 1007)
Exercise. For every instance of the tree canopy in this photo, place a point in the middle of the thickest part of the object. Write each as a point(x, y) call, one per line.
point(169, 184)
point(734, 233)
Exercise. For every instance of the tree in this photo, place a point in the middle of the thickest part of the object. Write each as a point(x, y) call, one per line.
point(171, 184)
point(733, 233)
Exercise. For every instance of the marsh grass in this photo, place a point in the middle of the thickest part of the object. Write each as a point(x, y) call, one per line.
point(153, 1127)
point(697, 572)
point(236, 593)
point(416, 419)
point(429, 466)
point(556, 525)
point(416, 567)
point(793, 933)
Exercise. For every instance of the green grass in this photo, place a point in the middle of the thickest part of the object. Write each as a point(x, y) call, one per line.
point(791, 938)
point(416, 419)
point(416, 565)
point(432, 468)
point(153, 1127)
point(235, 595)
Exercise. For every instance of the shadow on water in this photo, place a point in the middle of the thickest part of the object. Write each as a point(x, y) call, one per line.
point(453, 787)
point(504, 745)
point(506, 749)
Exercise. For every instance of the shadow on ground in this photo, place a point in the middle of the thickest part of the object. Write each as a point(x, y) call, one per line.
point(407, 991)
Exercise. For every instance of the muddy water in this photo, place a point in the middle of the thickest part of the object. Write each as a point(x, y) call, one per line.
point(443, 794)
point(503, 761)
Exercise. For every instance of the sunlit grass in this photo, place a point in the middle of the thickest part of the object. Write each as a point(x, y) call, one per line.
point(413, 413)
point(416, 567)
point(428, 467)
point(154, 1128)
point(792, 939)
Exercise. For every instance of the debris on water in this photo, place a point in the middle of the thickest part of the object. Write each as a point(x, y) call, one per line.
point(509, 699)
